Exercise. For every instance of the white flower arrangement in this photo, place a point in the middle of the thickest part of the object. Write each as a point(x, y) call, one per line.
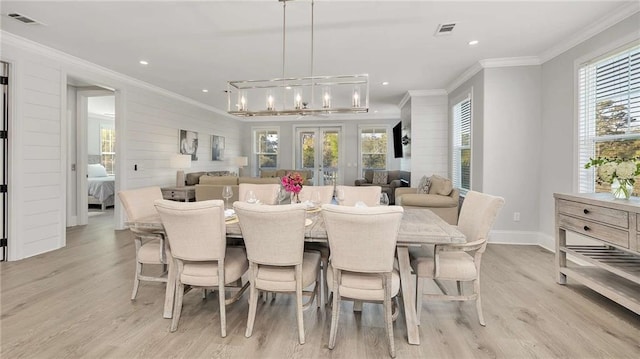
point(610, 170)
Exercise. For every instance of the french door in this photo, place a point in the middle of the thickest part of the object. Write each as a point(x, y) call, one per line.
point(318, 149)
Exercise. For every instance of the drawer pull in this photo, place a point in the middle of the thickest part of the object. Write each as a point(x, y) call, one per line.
point(586, 211)
point(586, 228)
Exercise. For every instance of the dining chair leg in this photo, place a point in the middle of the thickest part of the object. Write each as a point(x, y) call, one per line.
point(388, 317)
point(136, 280)
point(318, 290)
point(357, 306)
point(335, 310)
point(253, 300)
point(223, 305)
point(419, 294)
point(459, 285)
point(476, 289)
point(325, 286)
point(299, 303)
point(177, 306)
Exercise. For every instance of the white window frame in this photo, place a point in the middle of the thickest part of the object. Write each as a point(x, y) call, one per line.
point(362, 128)
point(255, 159)
point(457, 147)
point(586, 114)
point(104, 126)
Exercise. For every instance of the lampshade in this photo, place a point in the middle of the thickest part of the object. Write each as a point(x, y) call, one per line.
point(242, 161)
point(180, 161)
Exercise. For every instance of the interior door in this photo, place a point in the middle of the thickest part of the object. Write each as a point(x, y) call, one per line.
point(318, 149)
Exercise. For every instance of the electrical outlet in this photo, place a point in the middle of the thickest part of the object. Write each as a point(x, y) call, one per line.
point(516, 216)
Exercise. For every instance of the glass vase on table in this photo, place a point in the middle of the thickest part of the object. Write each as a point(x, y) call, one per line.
point(227, 192)
point(282, 195)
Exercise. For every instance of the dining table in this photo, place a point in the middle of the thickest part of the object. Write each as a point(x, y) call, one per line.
point(419, 226)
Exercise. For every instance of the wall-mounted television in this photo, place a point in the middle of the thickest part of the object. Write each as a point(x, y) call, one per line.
point(397, 140)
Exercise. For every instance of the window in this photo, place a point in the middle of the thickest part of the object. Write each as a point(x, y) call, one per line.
point(461, 152)
point(373, 148)
point(108, 148)
point(609, 112)
point(266, 148)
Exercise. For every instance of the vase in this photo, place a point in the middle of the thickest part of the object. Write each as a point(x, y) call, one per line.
point(295, 198)
point(621, 188)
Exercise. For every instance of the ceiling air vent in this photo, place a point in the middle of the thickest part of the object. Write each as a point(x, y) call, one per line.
point(22, 18)
point(445, 29)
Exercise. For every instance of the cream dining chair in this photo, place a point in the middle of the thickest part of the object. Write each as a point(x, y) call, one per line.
point(350, 195)
point(265, 193)
point(150, 244)
point(325, 194)
point(452, 262)
point(274, 238)
point(363, 276)
point(197, 235)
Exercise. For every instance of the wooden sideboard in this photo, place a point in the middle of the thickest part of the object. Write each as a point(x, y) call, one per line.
point(613, 225)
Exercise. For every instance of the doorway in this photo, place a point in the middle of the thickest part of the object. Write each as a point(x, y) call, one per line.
point(319, 149)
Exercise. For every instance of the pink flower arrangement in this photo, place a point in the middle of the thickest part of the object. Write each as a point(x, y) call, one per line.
point(292, 182)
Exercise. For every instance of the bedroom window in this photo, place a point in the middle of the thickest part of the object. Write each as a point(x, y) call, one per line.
point(108, 148)
point(608, 112)
point(461, 159)
point(266, 143)
point(373, 148)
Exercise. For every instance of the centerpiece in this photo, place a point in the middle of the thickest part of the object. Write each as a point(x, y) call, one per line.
point(292, 182)
point(619, 173)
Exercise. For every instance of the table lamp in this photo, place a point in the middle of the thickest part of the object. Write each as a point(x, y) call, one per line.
point(241, 162)
point(180, 162)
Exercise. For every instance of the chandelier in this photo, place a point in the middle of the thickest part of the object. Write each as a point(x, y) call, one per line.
point(298, 95)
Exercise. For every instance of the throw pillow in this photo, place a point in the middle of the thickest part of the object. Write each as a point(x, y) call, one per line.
point(380, 177)
point(440, 185)
point(96, 170)
point(424, 185)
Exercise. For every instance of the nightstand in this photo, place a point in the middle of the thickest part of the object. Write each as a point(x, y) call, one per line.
point(182, 194)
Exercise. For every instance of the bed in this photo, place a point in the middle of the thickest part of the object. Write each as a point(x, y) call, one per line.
point(101, 186)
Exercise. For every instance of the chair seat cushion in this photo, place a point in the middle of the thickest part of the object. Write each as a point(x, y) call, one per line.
point(205, 274)
point(282, 279)
point(363, 286)
point(149, 253)
point(455, 265)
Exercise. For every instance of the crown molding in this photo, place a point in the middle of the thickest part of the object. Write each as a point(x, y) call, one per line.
point(591, 30)
point(421, 93)
point(51, 53)
point(510, 62)
point(404, 100)
point(469, 73)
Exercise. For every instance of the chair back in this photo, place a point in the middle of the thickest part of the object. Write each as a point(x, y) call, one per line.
point(478, 214)
point(139, 203)
point(362, 239)
point(265, 193)
point(273, 235)
point(370, 195)
point(326, 193)
point(196, 230)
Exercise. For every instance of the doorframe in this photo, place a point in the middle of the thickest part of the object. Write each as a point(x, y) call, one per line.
point(341, 148)
point(82, 116)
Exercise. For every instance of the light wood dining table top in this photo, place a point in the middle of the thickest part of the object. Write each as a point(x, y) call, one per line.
point(419, 226)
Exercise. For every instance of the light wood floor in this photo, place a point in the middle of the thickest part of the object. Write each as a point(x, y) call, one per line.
point(74, 303)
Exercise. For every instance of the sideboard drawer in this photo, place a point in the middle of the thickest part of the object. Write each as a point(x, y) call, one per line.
point(596, 230)
point(610, 216)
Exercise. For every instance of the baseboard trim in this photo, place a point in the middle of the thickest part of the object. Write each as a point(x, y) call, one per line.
point(514, 237)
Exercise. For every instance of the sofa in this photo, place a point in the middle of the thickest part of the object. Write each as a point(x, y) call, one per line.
point(387, 180)
point(441, 198)
point(193, 178)
point(210, 187)
point(307, 175)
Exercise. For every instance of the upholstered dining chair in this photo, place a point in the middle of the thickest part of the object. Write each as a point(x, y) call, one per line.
point(274, 238)
point(349, 195)
point(150, 245)
point(265, 193)
point(197, 235)
point(367, 276)
point(325, 194)
point(452, 262)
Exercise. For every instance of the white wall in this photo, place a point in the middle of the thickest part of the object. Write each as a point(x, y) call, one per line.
point(147, 123)
point(558, 167)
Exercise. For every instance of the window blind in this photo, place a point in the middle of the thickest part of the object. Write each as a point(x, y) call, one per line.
point(461, 159)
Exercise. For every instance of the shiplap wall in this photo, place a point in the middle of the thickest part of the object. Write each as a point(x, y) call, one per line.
point(147, 131)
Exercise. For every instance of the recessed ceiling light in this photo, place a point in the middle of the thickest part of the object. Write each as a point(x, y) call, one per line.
point(205, 90)
point(385, 83)
point(376, 111)
point(473, 42)
point(143, 62)
point(288, 87)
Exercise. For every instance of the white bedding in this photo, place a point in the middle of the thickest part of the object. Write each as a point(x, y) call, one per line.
point(101, 188)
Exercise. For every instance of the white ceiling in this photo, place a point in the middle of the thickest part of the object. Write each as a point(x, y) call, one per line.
point(191, 45)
